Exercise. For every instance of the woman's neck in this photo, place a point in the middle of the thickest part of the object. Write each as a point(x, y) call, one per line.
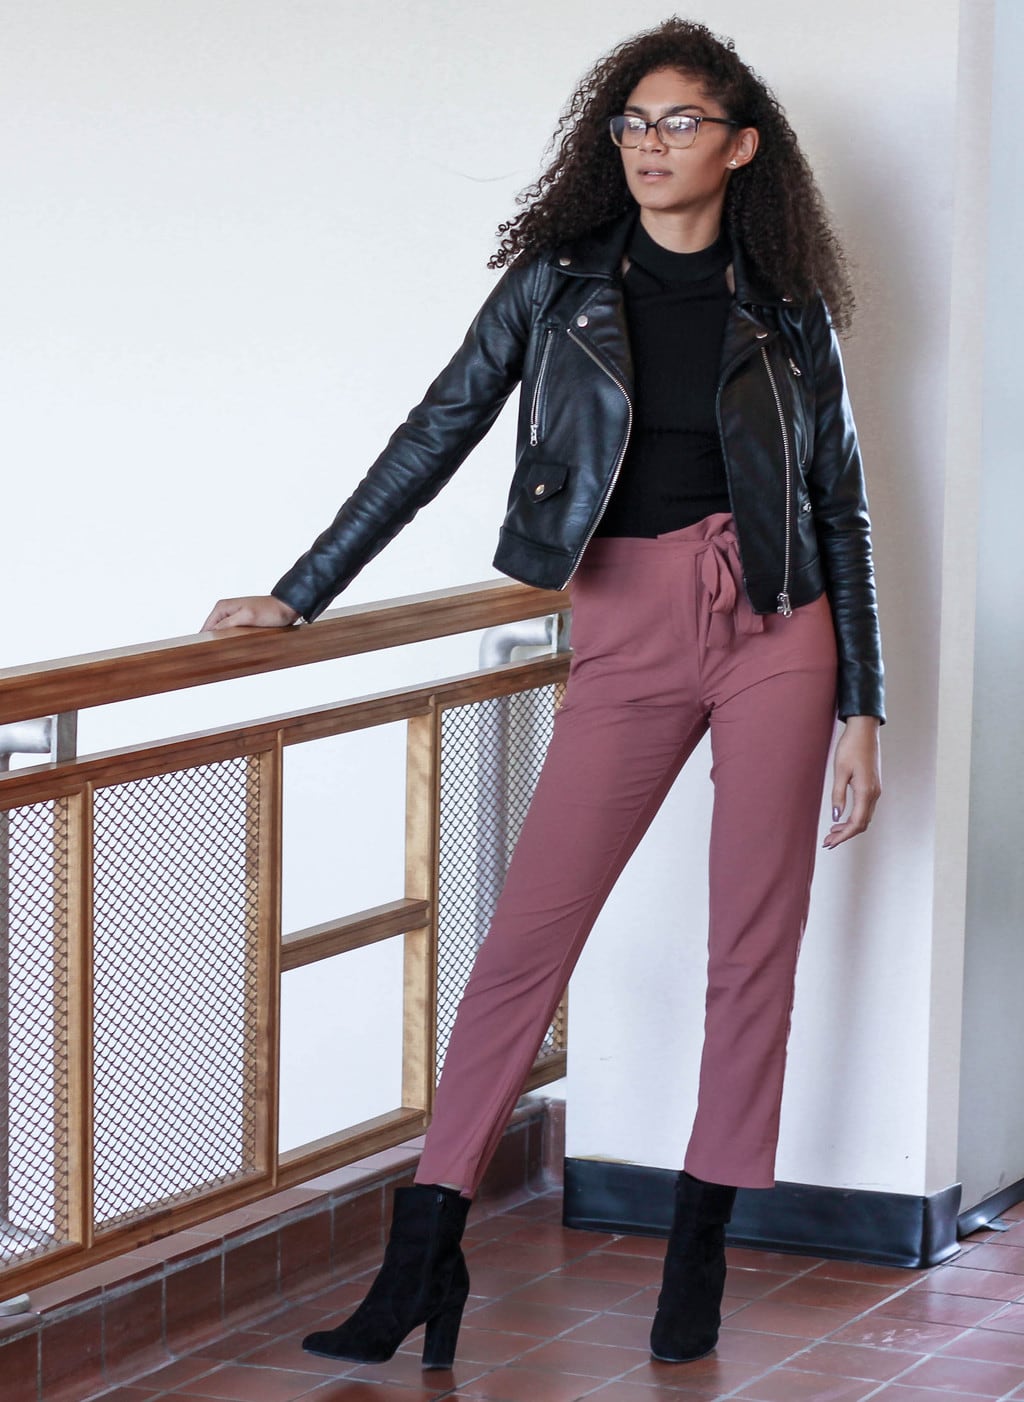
point(683, 232)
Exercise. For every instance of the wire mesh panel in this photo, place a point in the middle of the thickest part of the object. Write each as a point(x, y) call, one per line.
point(33, 1031)
point(491, 756)
point(175, 915)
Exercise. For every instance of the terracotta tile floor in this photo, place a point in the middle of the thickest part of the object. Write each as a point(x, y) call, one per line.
point(558, 1315)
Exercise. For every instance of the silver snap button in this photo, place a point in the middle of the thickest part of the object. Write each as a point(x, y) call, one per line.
point(787, 299)
point(564, 262)
point(806, 507)
point(583, 321)
point(761, 335)
point(539, 491)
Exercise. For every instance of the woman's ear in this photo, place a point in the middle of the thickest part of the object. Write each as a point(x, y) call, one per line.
point(744, 147)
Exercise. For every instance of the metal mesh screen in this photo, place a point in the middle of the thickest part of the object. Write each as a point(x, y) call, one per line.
point(33, 1031)
point(491, 756)
point(175, 915)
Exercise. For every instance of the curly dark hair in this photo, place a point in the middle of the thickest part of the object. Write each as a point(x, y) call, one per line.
point(773, 207)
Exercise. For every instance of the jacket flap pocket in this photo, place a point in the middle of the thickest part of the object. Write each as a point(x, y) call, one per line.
point(545, 479)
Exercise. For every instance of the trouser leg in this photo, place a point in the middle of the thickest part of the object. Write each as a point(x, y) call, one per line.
point(771, 729)
point(657, 652)
point(608, 768)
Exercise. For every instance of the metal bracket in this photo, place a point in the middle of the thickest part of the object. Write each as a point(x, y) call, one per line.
point(550, 633)
point(55, 736)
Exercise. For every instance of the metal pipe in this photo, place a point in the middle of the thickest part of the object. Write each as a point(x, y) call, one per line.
point(27, 737)
point(494, 760)
point(498, 644)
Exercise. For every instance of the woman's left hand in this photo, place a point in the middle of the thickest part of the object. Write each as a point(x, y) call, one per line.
point(857, 773)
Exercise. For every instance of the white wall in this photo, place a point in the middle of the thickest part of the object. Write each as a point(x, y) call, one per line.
point(875, 94)
point(223, 299)
point(991, 1137)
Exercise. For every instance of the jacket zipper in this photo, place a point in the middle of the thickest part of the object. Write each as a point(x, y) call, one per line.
point(784, 606)
point(535, 406)
point(618, 465)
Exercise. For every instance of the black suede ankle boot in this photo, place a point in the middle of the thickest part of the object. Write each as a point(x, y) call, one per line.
point(423, 1280)
point(689, 1307)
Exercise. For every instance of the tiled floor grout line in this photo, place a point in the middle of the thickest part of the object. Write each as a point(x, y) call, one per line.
point(825, 1338)
point(798, 1275)
point(802, 1347)
point(806, 1348)
point(599, 1383)
point(541, 1342)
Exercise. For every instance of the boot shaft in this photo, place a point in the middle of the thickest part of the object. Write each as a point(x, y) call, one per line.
point(424, 1213)
point(700, 1204)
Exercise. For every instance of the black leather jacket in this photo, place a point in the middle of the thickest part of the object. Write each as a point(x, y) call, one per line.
point(558, 325)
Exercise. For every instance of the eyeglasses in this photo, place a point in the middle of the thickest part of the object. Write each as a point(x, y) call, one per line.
point(678, 129)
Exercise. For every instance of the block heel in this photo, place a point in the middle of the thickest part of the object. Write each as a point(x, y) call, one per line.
point(442, 1333)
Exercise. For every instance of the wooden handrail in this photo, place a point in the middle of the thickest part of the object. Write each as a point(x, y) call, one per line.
point(148, 669)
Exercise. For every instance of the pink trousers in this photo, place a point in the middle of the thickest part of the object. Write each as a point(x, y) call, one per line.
point(665, 647)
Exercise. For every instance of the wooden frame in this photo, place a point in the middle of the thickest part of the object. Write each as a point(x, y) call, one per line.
point(263, 858)
point(101, 678)
point(419, 1003)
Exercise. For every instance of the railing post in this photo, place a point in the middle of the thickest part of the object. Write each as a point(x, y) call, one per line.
point(419, 1015)
point(264, 819)
point(76, 1207)
point(55, 736)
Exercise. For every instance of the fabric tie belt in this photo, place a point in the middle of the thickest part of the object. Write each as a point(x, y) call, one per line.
point(721, 576)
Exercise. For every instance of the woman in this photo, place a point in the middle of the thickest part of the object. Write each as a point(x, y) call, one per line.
point(688, 465)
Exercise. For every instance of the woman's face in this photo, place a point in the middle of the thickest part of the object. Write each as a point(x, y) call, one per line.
point(668, 179)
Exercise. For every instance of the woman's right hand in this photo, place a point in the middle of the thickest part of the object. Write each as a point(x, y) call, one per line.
point(254, 611)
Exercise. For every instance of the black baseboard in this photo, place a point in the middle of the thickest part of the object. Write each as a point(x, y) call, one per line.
point(893, 1229)
point(987, 1211)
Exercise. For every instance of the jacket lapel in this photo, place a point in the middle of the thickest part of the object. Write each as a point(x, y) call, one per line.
point(598, 257)
point(594, 311)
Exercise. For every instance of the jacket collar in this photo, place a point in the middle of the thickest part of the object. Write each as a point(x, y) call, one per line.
point(750, 292)
point(600, 254)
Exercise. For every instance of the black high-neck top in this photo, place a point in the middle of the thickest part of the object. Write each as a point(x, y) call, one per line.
point(676, 308)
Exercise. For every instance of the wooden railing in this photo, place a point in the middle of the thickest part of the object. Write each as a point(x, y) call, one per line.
point(124, 862)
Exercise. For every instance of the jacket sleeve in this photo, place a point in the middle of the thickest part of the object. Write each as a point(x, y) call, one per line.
point(424, 452)
point(839, 501)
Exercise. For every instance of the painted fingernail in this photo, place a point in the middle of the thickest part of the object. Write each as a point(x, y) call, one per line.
point(836, 814)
